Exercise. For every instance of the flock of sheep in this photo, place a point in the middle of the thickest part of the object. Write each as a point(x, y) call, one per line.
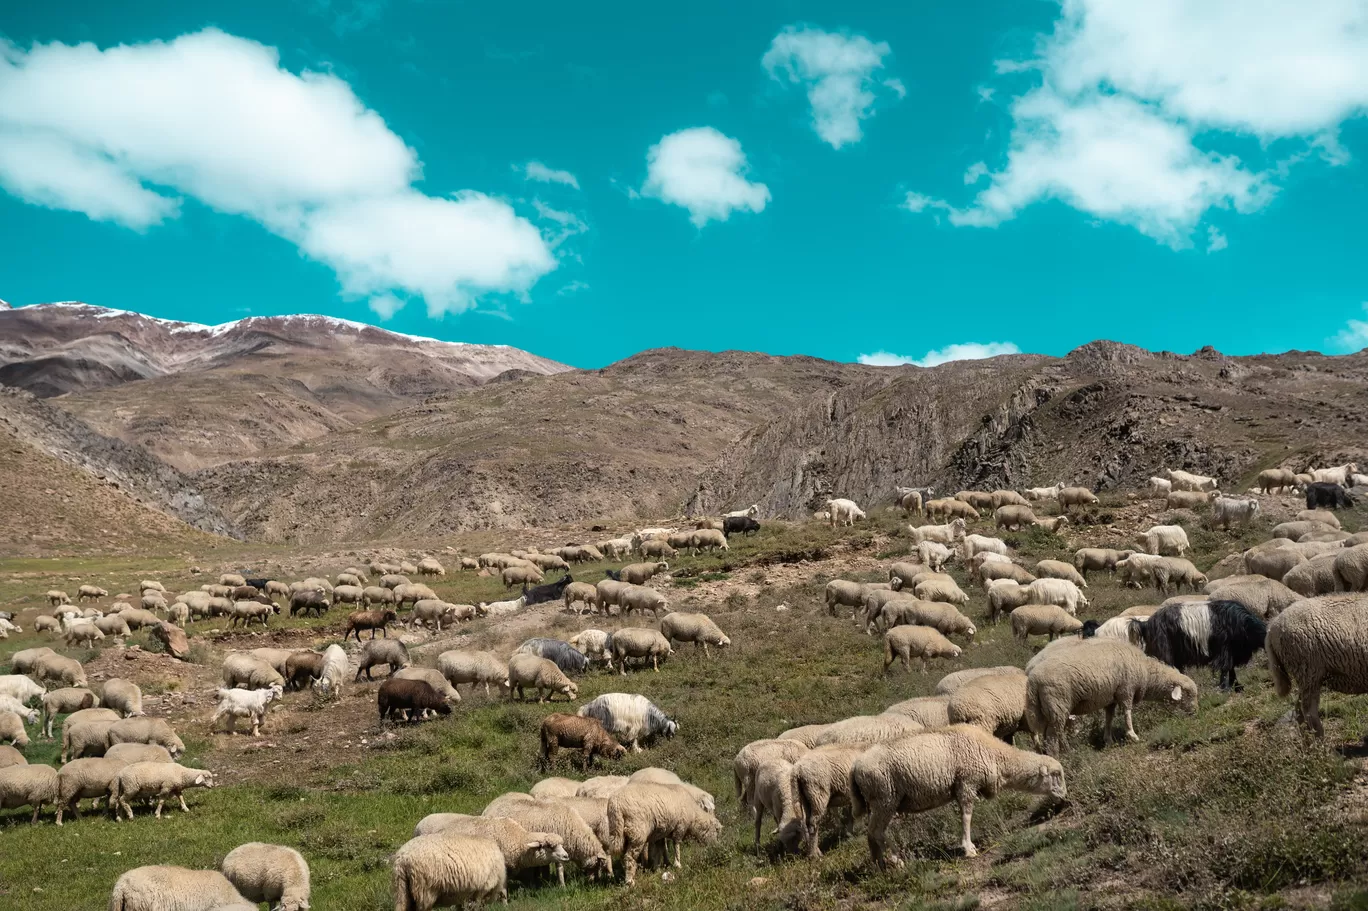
point(1299, 598)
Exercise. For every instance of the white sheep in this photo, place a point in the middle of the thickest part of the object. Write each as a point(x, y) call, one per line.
point(866, 729)
point(269, 873)
point(146, 780)
point(540, 674)
point(933, 555)
point(1043, 620)
point(639, 643)
point(983, 544)
point(1058, 569)
point(1239, 510)
point(165, 888)
point(498, 608)
point(996, 703)
point(1165, 539)
point(85, 778)
point(447, 868)
point(843, 512)
point(1060, 592)
point(773, 792)
point(641, 812)
point(1183, 480)
point(696, 628)
point(943, 590)
point(144, 730)
point(335, 670)
point(907, 642)
point(1319, 643)
point(27, 786)
point(243, 670)
point(250, 704)
point(1339, 475)
point(1045, 493)
point(123, 696)
point(10, 704)
point(475, 668)
point(929, 711)
point(12, 729)
point(948, 534)
point(821, 779)
point(594, 644)
point(750, 511)
point(630, 718)
point(65, 701)
point(580, 844)
point(522, 849)
point(753, 755)
point(20, 687)
point(1096, 675)
point(934, 768)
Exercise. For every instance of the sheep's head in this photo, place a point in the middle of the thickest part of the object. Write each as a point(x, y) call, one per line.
point(1048, 778)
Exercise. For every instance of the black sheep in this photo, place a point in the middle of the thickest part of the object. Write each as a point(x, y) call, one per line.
point(1221, 634)
point(302, 602)
point(1328, 495)
point(551, 591)
point(566, 657)
point(412, 697)
point(741, 524)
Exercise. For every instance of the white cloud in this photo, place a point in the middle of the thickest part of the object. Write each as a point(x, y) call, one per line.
point(1216, 240)
point(535, 170)
point(975, 172)
point(121, 134)
point(1354, 337)
point(573, 287)
point(838, 72)
point(385, 306)
point(968, 351)
point(703, 171)
point(1129, 97)
point(568, 224)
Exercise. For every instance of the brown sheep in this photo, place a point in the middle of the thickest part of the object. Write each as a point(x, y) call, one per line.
point(411, 698)
point(369, 619)
point(302, 669)
point(585, 734)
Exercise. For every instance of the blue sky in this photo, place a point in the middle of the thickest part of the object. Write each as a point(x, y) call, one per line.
point(589, 180)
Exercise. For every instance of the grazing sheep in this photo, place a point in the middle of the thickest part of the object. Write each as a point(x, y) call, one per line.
point(982, 544)
point(642, 812)
point(943, 590)
point(1000, 498)
point(269, 873)
point(1276, 479)
point(950, 508)
point(996, 703)
point(1095, 675)
point(390, 652)
point(497, 608)
point(86, 737)
point(514, 576)
point(641, 573)
point(475, 668)
point(821, 779)
point(409, 700)
point(907, 642)
point(12, 729)
point(555, 788)
point(250, 672)
point(942, 617)
point(24, 785)
point(333, 673)
point(376, 594)
point(521, 849)
point(594, 643)
point(951, 683)
point(1090, 559)
point(56, 597)
point(20, 688)
point(978, 499)
point(1043, 620)
point(934, 768)
point(145, 730)
point(584, 734)
point(541, 675)
point(601, 786)
point(1183, 480)
point(773, 792)
point(585, 593)
point(90, 593)
point(1161, 539)
point(630, 718)
point(843, 512)
point(146, 780)
point(845, 592)
point(696, 628)
point(990, 572)
point(1262, 596)
point(637, 642)
point(1058, 569)
point(639, 598)
point(58, 669)
point(301, 602)
point(82, 634)
point(23, 662)
point(1053, 524)
point(929, 711)
point(1076, 496)
point(164, 888)
point(448, 868)
point(432, 678)
point(1328, 495)
point(64, 701)
point(85, 778)
point(755, 754)
point(123, 696)
point(1060, 592)
point(1013, 518)
point(1351, 568)
point(948, 534)
point(1222, 634)
point(1338, 475)
point(129, 753)
point(581, 845)
point(250, 704)
point(1314, 577)
point(430, 567)
point(114, 625)
point(1273, 563)
point(1319, 643)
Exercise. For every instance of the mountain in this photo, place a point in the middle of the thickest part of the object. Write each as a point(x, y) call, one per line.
point(198, 395)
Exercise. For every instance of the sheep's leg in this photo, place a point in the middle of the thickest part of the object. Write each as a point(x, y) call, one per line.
point(1310, 710)
point(759, 819)
point(636, 747)
point(655, 664)
point(966, 802)
point(679, 855)
point(160, 801)
point(1130, 726)
point(560, 874)
point(877, 836)
point(184, 808)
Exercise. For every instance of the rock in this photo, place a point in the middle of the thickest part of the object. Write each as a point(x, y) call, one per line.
point(173, 637)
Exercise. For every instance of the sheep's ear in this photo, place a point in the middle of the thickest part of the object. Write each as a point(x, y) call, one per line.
point(1044, 771)
point(1177, 694)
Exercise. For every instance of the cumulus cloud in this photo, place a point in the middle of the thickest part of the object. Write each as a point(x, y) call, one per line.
point(1216, 240)
point(1127, 98)
point(123, 134)
point(704, 171)
point(838, 73)
point(535, 170)
point(1354, 336)
point(967, 351)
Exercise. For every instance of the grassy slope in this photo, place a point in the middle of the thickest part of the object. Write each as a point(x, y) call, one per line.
point(1222, 809)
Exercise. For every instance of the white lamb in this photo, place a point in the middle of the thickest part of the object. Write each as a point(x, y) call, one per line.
point(251, 704)
point(947, 534)
point(843, 512)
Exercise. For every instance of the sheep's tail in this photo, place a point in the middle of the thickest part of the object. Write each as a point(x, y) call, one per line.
point(859, 804)
point(1034, 723)
point(804, 798)
point(616, 828)
point(403, 895)
point(1282, 681)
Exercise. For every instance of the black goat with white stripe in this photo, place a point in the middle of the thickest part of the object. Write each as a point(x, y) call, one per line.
point(1223, 635)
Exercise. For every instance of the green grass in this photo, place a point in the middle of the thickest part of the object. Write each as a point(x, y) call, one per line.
point(1223, 809)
